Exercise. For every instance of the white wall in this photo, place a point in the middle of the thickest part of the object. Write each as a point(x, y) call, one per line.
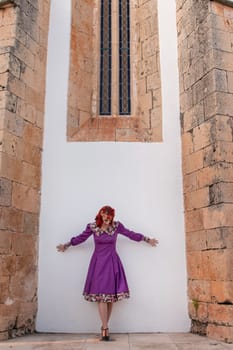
point(142, 181)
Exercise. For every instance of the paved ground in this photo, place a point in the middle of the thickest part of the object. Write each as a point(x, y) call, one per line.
point(148, 341)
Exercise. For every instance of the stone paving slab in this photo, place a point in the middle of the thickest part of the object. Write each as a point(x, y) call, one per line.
point(132, 341)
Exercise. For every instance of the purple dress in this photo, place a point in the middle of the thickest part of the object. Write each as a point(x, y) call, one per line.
point(106, 280)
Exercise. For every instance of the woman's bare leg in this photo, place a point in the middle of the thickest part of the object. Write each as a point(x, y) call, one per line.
point(103, 312)
point(110, 306)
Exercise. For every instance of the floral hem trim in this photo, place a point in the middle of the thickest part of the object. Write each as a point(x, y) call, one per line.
point(106, 298)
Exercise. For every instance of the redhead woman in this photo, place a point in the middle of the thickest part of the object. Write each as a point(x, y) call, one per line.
point(106, 281)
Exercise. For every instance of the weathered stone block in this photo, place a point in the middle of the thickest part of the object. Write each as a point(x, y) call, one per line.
point(150, 47)
point(11, 102)
point(203, 135)
point(145, 11)
point(3, 99)
point(219, 238)
point(126, 134)
point(193, 162)
point(153, 81)
point(187, 143)
point(31, 175)
point(4, 335)
point(7, 265)
point(4, 62)
point(196, 240)
point(14, 66)
point(221, 40)
point(27, 315)
point(224, 127)
point(222, 333)
point(194, 265)
point(23, 243)
point(157, 99)
point(24, 288)
point(8, 33)
point(7, 323)
point(199, 291)
point(220, 22)
point(26, 264)
point(13, 146)
point(141, 86)
point(197, 199)
point(193, 116)
point(222, 60)
point(194, 220)
point(11, 167)
point(146, 102)
point(16, 86)
point(217, 264)
point(11, 219)
point(5, 191)
point(215, 80)
point(222, 291)
point(31, 223)
point(32, 135)
point(24, 55)
point(5, 242)
point(218, 103)
point(221, 314)
point(4, 289)
point(198, 311)
point(190, 182)
point(218, 216)
point(4, 81)
point(32, 154)
point(230, 82)
point(219, 152)
point(221, 193)
point(26, 111)
point(25, 198)
point(13, 123)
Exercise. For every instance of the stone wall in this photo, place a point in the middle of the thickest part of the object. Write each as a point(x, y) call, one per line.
point(205, 34)
point(23, 50)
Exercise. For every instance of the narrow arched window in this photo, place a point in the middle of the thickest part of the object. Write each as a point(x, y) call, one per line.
point(124, 57)
point(105, 57)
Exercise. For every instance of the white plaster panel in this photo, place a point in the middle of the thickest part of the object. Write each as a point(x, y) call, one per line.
point(142, 181)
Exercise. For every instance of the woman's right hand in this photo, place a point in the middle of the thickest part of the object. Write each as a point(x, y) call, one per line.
point(62, 247)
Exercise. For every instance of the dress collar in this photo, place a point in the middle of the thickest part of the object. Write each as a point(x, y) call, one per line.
point(110, 230)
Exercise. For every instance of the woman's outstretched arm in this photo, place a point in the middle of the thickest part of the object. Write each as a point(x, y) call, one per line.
point(136, 236)
point(76, 240)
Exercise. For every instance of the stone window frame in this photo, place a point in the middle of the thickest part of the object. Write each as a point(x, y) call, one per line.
point(145, 122)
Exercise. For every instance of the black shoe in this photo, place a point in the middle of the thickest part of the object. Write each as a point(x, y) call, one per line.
point(105, 335)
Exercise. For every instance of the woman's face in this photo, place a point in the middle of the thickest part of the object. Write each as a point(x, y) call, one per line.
point(107, 219)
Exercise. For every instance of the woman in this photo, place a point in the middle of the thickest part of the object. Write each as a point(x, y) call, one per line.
point(106, 281)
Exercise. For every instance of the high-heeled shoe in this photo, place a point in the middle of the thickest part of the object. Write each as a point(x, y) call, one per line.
point(104, 333)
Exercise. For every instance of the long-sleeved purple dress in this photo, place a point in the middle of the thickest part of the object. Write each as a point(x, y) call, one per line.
point(106, 280)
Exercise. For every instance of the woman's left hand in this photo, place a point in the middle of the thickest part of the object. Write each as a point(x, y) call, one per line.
point(153, 242)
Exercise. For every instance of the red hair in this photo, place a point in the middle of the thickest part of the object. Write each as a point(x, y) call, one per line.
point(106, 210)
